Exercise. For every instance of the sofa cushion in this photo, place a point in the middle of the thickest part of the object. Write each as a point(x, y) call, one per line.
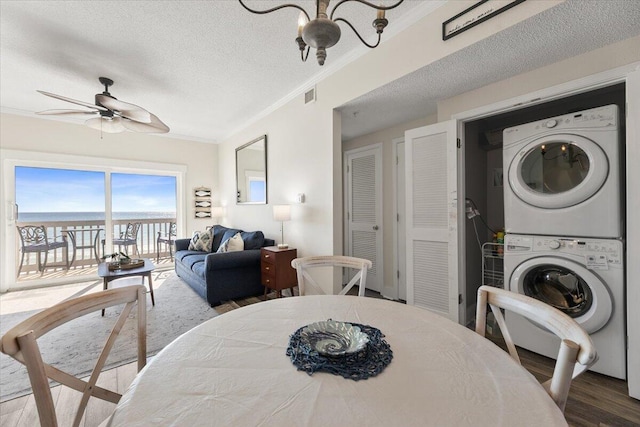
point(229, 234)
point(190, 260)
point(252, 239)
point(234, 244)
point(180, 255)
point(201, 241)
point(218, 234)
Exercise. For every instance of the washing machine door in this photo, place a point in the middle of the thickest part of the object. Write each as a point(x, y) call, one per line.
point(567, 286)
point(558, 171)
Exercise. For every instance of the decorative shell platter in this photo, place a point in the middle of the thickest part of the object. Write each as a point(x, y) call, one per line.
point(332, 338)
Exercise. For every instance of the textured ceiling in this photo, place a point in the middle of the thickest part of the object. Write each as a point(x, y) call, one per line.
point(569, 29)
point(203, 67)
point(207, 68)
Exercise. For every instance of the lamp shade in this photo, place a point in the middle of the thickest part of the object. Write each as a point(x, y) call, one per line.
point(282, 212)
point(217, 212)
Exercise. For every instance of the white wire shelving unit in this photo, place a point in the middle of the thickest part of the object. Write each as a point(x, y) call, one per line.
point(493, 264)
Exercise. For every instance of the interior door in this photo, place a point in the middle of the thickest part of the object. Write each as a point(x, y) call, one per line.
point(401, 220)
point(432, 218)
point(364, 210)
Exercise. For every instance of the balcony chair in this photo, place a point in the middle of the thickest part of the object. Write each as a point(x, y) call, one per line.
point(128, 238)
point(576, 353)
point(33, 239)
point(21, 343)
point(304, 278)
point(168, 239)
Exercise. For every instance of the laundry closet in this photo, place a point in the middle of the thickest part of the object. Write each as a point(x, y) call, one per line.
point(568, 253)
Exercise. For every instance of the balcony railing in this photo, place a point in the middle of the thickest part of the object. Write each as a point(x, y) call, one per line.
point(90, 241)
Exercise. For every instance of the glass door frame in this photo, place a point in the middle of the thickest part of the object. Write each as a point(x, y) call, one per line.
point(9, 159)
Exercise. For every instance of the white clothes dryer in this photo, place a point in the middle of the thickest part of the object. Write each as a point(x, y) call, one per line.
point(563, 176)
point(584, 278)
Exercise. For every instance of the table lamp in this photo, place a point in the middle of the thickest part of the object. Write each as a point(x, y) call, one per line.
point(217, 212)
point(282, 213)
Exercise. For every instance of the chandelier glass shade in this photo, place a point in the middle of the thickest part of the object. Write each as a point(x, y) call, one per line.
point(322, 32)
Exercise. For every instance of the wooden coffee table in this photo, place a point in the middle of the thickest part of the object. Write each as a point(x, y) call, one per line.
point(110, 275)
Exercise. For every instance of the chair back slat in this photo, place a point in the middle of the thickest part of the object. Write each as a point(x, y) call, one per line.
point(20, 342)
point(302, 265)
point(576, 353)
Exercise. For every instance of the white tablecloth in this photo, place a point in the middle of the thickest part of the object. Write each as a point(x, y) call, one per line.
point(232, 371)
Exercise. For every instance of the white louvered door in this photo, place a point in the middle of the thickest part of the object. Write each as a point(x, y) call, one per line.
point(364, 210)
point(431, 212)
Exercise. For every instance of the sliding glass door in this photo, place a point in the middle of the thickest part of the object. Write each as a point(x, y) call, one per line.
point(67, 219)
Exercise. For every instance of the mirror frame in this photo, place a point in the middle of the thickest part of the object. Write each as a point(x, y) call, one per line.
point(266, 180)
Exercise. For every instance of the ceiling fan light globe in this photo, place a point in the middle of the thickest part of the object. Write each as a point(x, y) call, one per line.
point(105, 124)
point(321, 32)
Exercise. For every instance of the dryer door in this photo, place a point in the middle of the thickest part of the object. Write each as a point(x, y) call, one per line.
point(567, 286)
point(558, 171)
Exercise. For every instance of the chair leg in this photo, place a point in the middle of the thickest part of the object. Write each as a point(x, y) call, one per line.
point(21, 262)
point(170, 251)
point(157, 251)
point(43, 267)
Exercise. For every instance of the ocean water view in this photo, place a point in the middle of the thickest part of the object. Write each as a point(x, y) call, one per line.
point(89, 216)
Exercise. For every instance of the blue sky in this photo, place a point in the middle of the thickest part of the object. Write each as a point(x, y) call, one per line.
point(62, 190)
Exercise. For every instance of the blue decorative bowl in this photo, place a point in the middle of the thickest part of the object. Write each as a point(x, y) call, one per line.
point(332, 338)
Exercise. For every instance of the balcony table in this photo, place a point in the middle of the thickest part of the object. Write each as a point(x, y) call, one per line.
point(72, 233)
point(232, 370)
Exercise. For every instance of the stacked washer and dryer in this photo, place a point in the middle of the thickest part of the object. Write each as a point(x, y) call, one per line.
point(564, 228)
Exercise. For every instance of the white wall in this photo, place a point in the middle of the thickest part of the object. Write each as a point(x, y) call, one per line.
point(596, 61)
point(36, 135)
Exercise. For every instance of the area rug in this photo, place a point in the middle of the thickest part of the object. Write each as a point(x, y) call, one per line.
point(74, 347)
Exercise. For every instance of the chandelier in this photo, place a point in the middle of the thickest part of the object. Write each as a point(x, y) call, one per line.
point(323, 31)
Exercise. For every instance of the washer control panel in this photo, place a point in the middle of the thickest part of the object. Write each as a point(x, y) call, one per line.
point(609, 249)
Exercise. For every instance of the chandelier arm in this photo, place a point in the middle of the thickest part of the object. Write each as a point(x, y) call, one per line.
point(358, 34)
point(303, 56)
point(378, 7)
point(273, 9)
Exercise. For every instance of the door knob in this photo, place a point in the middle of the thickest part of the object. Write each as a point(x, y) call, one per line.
point(375, 227)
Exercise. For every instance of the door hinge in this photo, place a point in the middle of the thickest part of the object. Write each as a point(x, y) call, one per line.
point(398, 217)
point(347, 168)
point(459, 299)
point(397, 161)
point(398, 274)
point(458, 142)
point(348, 216)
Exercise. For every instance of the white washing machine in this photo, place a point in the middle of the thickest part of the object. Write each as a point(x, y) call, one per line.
point(582, 277)
point(563, 176)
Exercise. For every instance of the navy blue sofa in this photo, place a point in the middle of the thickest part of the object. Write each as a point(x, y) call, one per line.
point(224, 276)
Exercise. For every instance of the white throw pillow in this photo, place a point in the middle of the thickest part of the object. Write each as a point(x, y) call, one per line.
point(201, 241)
point(232, 244)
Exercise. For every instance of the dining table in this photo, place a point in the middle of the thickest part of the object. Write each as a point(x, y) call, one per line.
point(233, 370)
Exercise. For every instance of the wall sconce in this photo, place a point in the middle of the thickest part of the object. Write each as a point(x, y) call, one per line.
point(282, 213)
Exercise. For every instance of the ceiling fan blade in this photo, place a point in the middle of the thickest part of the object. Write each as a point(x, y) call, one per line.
point(127, 110)
point(113, 125)
point(66, 112)
point(73, 101)
point(155, 126)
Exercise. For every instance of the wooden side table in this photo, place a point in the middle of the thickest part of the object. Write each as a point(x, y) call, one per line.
point(277, 273)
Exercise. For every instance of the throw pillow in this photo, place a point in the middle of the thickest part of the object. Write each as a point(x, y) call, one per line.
point(201, 241)
point(233, 244)
point(252, 239)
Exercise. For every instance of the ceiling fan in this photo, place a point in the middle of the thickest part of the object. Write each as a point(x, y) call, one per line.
point(113, 116)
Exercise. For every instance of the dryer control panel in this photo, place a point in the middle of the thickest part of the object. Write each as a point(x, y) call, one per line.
point(611, 250)
point(601, 117)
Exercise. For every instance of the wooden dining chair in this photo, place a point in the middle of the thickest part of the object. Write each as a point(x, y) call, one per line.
point(576, 353)
point(20, 342)
point(302, 265)
point(34, 239)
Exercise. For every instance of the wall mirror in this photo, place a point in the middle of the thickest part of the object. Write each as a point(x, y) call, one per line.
point(251, 172)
